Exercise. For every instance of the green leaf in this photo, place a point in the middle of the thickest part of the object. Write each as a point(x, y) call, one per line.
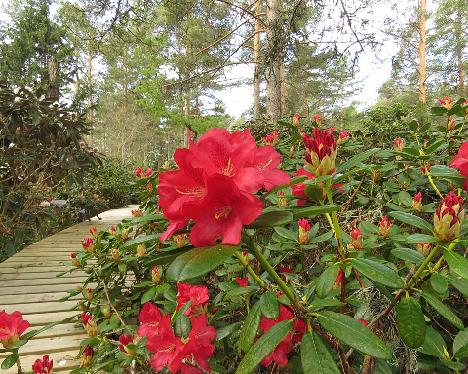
point(443, 310)
point(321, 238)
point(314, 210)
point(412, 220)
point(442, 171)
point(266, 344)
point(149, 294)
point(326, 280)
point(410, 322)
point(182, 325)
point(351, 332)
point(9, 361)
point(434, 344)
point(249, 329)
point(272, 217)
point(140, 240)
point(457, 264)
point(420, 238)
point(314, 192)
point(285, 233)
point(198, 262)
point(408, 254)
point(377, 272)
point(322, 303)
point(439, 283)
point(460, 344)
point(239, 291)
point(438, 111)
point(316, 357)
point(405, 198)
point(269, 305)
point(144, 219)
point(224, 332)
point(460, 284)
point(356, 160)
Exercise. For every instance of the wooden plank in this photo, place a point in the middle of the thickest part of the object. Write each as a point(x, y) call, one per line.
point(40, 281)
point(27, 276)
point(42, 307)
point(40, 289)
point(53, 344)
point(59, 330)
point(45, 318)
point(63, 361)
point(35, 298)
point(35, 269)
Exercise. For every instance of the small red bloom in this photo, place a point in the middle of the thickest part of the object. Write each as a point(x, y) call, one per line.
point(124, 340)
point(399, 144)
point(446, 102)
point(197, 294)
point(339, 277)
point(342, 137)
point(357, 239)
point(417, 201)
point(363, 322)
point(139, 172)
point(11, 327)
point(43, 366)
point(284, 269)
point(303, 233)
point(88, 244)
point(73, 255)
point(317, 119)
point(148, 172)
point(85, 318)
point(271, 139)
point(88, 351)
point(449, 217)
point(296, 118)
point(298, 188)
point(243, 282)
point(93, 231)
point(385, 225)
point(426, 168)
point(356, 234)
point(460, 162)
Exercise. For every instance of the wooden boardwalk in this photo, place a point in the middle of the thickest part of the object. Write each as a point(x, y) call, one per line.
point(29, 284)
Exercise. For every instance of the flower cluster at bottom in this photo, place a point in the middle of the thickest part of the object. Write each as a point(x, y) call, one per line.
point(187, 355)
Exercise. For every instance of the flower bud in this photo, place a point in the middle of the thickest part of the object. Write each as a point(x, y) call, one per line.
point(425, 169)
point(112, 230)
point(449, 217)
point(139, 172)
point(87, 356)
point(88, 245)
point(116, 254)
point(424, 248)
point(88, 294)
point(124, 234)
point(317, 119)
point(321, 152)
point(125, 341)
point(149, 187)
point(271, 139)
point(417, 202)
point(148, 172)
point(43, 366)
point(385, 226)
point(155, 275)
point(450, 123)
point(303, 233)
point(105, 310)
point(375, 175)
point(141, 250)
point(137, 213)
point(399, 144)
point(242, 282)
point(74, 260)
point(93, 231)
point(344, 135)
point(339, 278)
point(165, 165)
point(296, 118)
point(446, 102)
point(356, 237)
point(282, 202)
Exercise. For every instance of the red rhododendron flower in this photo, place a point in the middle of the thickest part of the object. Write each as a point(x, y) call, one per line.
point(321, 151)
point(271, 139)
point(356, 234)
point(446, 102)
point(298, 188)
point(11, 327)
point(280, 354)
point(139, 172)
point(153, 324)
point(197, 294)
point(87, 242)
point(243, 282)
point(43, 366)
point(460, 162)
point(449, 217)
point(88, 351)
point(214, 184)
point(165, 351)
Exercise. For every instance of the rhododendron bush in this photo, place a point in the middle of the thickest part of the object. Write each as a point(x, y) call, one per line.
point(305, 251)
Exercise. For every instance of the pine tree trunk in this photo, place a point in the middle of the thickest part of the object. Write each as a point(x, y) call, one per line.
point(273, 60)
point(256, 58)
point(458, 50)
point(53, 72)
point(422, 50)
point(186, 95)
point(283, 88)
point(89, 113)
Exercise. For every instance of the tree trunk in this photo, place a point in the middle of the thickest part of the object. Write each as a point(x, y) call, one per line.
point(459, 50)
point(89, 113)
point(283, 88)
point(53, 72)
point(274, 55)
point(422, 50)
point(187, 94)
point(256, 59)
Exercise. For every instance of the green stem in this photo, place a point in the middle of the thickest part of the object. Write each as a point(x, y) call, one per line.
point(423, 266)
point(431, 181)
point(18, 363)
point(252, 273)
point(336, 226)
point(272, 273)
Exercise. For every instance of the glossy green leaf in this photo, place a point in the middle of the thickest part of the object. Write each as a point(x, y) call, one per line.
point(314, 210)
point(239, 291)
point(321, 238)
point(316, 357)
point(272, 217)
point(140, 240)
point(439, 283)
point(405, 198)
point(285, 233)
point(460, 344)
point(457, 264)
point(459, 283)
point(356, 160)
point(224, 332)
point(443, 310)
point(322, 303)
point(434, 344)
point(269, 305)
point(410, 322)
point(326, 280)
point(408, 254)
point(377, 272)
point(420, 238)
point(149, 294)
point(198, 262)
point(9, 361)
point(249, 329)
point(351, 332)
point(412, 220)
point(265, 345)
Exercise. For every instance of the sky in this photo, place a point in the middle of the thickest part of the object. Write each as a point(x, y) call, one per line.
point(372, 71)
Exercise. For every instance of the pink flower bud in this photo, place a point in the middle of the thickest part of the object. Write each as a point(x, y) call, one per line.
point(446, 102)
point(148, 172)
point(43, 366)
point(417, 202)
point(242, 282)
point(317, 119)
point(344, 135)
point(449, 217)
point(139, 172)
point(303, 233)
point(399, 144)
point(384, 226)
point(296, 118)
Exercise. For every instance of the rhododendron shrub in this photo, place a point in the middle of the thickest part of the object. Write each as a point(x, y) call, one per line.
point(305, 250)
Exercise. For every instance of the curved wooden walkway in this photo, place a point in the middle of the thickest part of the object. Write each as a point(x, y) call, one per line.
point(29, 284)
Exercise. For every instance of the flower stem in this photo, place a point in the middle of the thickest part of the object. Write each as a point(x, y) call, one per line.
point(336, 226)
point(249, 269)
point(272, 273)
point(431, 181)
point(422, 267)
point(18, 363)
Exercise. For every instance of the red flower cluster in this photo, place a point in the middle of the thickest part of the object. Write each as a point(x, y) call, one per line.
point(280, 354)
point(139, 172)
point(460, 162)
point(170, 350)
point(43, 366)
point(321, 151)
point(214, 186)
point(449, 217)
point(11, 327)
point(446, 102)
point(197, 294)
point(271, 139)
